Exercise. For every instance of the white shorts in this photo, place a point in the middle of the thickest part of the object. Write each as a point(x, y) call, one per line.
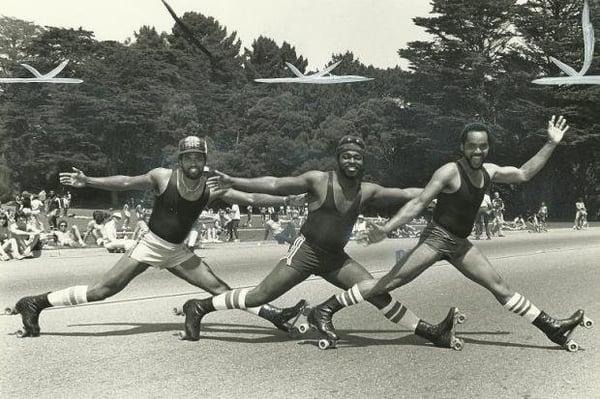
point(154, 251)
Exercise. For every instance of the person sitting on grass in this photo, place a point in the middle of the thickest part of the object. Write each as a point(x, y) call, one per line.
point(6, 241)
point(27, 236)
point(67, 237)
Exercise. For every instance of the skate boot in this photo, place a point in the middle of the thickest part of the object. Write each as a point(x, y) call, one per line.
point(281, 317)
point(194, 310)
point(559, 331)
point(30, 308)
point(442, 334)
point(320, 317)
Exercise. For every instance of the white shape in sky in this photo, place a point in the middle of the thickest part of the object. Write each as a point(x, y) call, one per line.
point(575, 77)
point(39, 78)
point(323, 77)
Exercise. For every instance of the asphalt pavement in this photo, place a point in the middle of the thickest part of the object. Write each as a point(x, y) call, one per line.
point(127, 346)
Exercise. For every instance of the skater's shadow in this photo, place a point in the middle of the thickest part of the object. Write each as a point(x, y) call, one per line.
point(349, 339)
point(148, 328)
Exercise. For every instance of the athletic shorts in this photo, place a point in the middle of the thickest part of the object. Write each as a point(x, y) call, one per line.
point(442, 241)
point(154, 251)
point(308, 258)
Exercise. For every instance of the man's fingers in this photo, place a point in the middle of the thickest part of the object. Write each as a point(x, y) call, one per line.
point(76, 170)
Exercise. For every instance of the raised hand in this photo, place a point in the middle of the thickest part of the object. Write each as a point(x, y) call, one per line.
point(557, 128)
point(220, 181)
point(76, 179)
point(375, 233)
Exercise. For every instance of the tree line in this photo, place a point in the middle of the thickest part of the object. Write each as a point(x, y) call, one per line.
point(142, 95)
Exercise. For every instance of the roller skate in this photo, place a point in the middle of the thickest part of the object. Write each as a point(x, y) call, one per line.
point(29, 308)
point(442, 334)
point(560, 331)
point(319, 319)
point(281, 317)
point(194, 310)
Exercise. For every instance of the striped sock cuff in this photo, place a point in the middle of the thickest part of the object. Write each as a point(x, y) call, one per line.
point(234, 299)
point(520, 305)
point(350, 297)
point(69, 296)
point(400, 314)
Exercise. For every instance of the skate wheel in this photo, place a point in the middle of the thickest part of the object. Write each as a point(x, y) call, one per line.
point(20, 333)
point(587, 322)
point(458, 345)
point(572, 346)
point(303, 328)
point(181, 335)
point(461, 318)
point(177, 311)
point(324, 344)
point(9, 311)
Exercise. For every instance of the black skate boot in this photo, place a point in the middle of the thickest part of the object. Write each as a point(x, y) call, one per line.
point(320, 318)
point(558, 330)
point(194, 310)
point(30, 308)
point(281, 317)
point(442, 334)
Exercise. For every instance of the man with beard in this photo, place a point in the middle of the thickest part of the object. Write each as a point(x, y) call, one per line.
point(181, 194)
point(459, 187)
point(335, 200)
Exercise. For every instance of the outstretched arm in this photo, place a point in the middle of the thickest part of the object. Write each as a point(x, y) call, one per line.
point(513, 175)
point(440, 179)
point(386, 197)
point(78, 179)
point(267, 184)
point(242, 198)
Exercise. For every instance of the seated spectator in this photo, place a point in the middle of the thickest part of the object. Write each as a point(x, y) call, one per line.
point(68, 237)
point(281, 234)
point(7, 243)
point(109, 234)
point(26, 235)
point(94, 227)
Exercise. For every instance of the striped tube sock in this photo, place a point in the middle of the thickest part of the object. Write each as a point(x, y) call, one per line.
point(69, 296)
point(522, 306)
point(350, 297)
point(400, 314)
point(234, 299)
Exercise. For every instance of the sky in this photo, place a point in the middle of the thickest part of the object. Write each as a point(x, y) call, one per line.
point(373, 30)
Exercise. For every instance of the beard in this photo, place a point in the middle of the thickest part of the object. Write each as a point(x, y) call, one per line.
point(193, 173)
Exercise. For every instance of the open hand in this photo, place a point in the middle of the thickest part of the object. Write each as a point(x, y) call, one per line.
point(76, 179)
point(220, 181)
point(557, 128)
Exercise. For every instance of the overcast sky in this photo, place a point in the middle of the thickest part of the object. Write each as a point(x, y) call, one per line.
point(372, 29)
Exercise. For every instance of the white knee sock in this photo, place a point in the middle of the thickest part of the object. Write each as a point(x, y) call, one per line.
point(400, 314)
point(69, 296)
point(234, 299)
point(523, 307)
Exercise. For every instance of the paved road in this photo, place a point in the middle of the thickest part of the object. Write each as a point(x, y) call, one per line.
point(127, 345)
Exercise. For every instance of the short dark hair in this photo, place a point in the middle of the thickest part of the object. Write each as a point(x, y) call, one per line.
point(474, 127)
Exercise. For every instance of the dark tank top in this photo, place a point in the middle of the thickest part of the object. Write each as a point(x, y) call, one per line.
point(456, 211)
point(326, 227)
point(172, 215)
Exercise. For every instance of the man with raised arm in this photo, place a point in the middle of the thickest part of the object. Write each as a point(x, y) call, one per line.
point(181, 194)
point(335, 200)
point(459, 188)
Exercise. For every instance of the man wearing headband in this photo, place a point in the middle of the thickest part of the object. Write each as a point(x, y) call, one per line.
point(335, 200)
point(459, 188)
point(181, 194)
